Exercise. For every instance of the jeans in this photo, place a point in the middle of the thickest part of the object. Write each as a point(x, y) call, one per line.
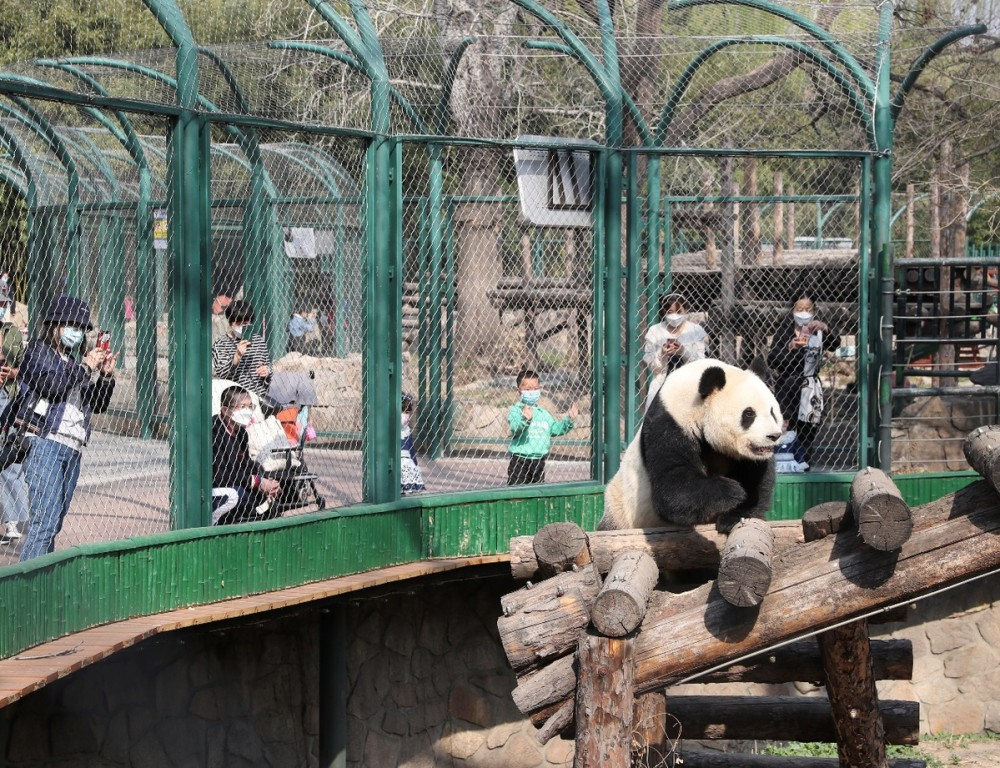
point(13, 488)
point(51, 470)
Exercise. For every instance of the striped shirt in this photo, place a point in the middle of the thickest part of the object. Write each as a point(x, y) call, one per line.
point(245, 373)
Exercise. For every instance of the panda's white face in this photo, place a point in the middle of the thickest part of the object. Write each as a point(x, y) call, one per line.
point(742, 418)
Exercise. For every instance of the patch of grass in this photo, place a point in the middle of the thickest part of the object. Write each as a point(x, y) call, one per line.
point(826, 749)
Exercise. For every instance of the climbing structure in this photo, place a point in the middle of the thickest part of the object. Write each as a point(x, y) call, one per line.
point(592, 653)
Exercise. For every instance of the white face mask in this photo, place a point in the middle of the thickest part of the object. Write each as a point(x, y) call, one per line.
point(238, 331)
point(404, 419)
point(674, 320)
point(802, 318)
point(243, 416)
point(71, 337)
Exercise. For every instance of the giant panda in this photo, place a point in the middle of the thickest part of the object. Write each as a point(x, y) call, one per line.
point(704, 452)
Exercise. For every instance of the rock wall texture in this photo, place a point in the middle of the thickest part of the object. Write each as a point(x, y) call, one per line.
point(429, 685)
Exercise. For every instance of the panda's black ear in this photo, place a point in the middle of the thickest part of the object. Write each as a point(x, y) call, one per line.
point(712, 380)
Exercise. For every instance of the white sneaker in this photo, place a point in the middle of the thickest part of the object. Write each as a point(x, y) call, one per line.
point(10, 530)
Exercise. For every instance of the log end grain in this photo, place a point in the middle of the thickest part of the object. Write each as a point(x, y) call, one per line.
point(825, 520)
point(745, 566)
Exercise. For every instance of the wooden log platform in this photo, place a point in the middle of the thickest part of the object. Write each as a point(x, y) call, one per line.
point(604, 701)
point(561, 547)
point(673, 548)
point(814, 586)
point(982, 450)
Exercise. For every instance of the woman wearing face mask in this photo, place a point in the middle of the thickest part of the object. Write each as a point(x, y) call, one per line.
point(240, 357)
point(57, 397)
point(796, 354)
point(673, 341)
point(240, 491)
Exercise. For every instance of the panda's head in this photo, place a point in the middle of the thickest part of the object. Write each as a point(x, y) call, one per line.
point(740, 417)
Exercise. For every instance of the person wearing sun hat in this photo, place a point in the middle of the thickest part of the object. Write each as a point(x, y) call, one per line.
point(61, 388)
point(13, 491)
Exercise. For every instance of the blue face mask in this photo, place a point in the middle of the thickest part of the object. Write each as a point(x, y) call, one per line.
point(71, 337)
point(531, 396)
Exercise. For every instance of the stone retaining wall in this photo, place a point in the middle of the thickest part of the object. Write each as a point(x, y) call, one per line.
point(429, 686)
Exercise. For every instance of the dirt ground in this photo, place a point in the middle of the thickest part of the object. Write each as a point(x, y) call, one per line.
point(963, 751)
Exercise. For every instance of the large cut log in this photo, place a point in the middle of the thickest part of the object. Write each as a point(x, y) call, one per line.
point(884, 519)
point(850, 687)
point(707, 759)
point(536, 620)
point(559, 547)
point(745, 566)
point(814, 586)
point(800, 662)
point(603, 701)
point(673, 548)
point(621, 603)
point(982, 450)
point(777, 718)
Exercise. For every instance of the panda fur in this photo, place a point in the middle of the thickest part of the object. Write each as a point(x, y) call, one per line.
point(704, 452)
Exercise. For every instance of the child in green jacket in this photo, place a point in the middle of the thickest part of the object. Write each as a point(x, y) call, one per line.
point(532, 429)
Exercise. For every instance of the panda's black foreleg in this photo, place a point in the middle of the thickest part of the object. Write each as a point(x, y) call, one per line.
point(685, 495)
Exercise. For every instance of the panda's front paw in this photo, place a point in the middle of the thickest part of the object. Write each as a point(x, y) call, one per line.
point(726, 523)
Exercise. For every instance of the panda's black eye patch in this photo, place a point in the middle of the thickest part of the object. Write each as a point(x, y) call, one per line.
point(748, 417)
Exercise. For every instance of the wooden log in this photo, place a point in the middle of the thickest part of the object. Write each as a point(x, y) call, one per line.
point(778, 718)
point(745, 566)
point(850, 687)
point(982, 450)
point(801, 662)
point(711, 759)
point(673, 548)
point(621, 603)
point(604, 701)
point(826, 519)
point(560, 546)
point(556, 723)
point(536, 620)
point(650, 745)
point(814, 586)
point(884, 519)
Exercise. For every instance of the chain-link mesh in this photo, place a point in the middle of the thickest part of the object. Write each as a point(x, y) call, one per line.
point(488, 295)
point(488, 290)
point(742, 240)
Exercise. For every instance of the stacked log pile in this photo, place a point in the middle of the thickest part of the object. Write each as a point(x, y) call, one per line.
point(598, 638)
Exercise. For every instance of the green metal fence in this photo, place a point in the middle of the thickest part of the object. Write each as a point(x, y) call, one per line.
point(413, 205)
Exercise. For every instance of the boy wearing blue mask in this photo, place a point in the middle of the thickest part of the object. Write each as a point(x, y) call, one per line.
point(532, 429)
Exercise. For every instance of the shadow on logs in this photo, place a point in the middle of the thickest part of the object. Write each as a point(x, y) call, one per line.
point(727, 622)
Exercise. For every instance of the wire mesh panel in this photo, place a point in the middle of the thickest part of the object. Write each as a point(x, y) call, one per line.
point(746, 244)
point(489, 295)
point(288, 267)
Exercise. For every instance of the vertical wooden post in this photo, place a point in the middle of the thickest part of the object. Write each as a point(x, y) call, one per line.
point(604, 701)
point(850, 683)
point(752, 238)
point(911, 219)
point(711, 253)
point(790, 220)
point(778, 238)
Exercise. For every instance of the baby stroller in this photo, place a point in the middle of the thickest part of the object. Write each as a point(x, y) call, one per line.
point(281, 458)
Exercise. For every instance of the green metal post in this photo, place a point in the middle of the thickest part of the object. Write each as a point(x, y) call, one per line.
point(599, 245)
point(614, 130)
point(190, 329)
point(882, 235)
point(633, 289)
point(865, 359)
point(436, 350)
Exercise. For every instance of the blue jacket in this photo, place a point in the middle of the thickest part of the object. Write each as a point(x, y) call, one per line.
point(44, 374)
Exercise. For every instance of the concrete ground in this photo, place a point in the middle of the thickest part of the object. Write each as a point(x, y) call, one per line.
point(124, 487)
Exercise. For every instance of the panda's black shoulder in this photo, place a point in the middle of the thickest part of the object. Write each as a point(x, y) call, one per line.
point(660, 430)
